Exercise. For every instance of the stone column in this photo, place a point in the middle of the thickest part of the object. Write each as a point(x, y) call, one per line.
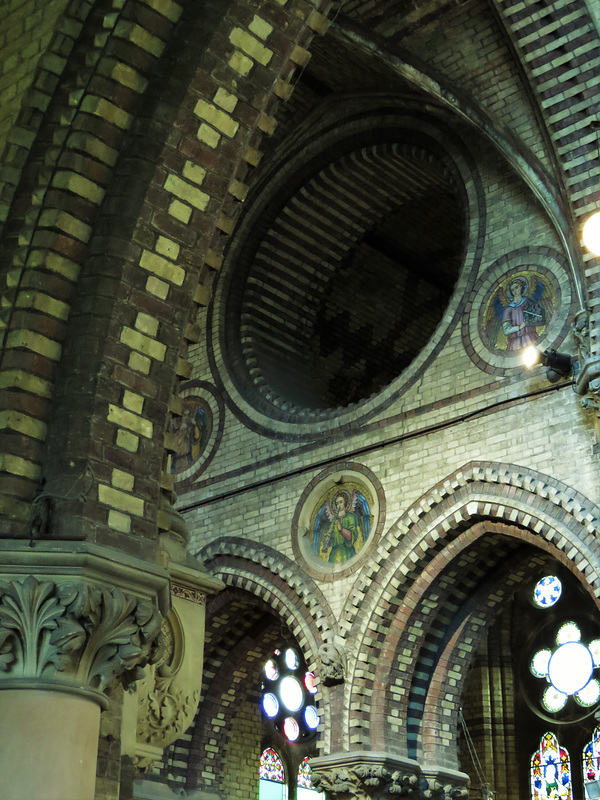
point(73, 619)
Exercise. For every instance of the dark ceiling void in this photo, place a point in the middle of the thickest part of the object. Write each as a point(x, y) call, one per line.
point(349, 279)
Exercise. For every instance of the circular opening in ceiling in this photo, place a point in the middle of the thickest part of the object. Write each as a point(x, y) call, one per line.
point(346, 275)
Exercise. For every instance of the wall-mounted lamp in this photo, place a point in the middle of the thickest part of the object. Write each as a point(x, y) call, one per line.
point(591, 230)
point(559, 365)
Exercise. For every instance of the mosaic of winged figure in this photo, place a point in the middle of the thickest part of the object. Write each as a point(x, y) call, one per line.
point(516, 318)
point(341, 526)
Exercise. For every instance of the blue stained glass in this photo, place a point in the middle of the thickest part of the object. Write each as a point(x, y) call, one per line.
point(551, 771)
point(547, 592)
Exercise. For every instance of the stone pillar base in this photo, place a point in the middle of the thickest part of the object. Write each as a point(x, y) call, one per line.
point(48, 745)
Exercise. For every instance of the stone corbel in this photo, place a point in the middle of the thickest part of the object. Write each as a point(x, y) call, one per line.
point(445, 784)
point(365, 776)
point(162, 705)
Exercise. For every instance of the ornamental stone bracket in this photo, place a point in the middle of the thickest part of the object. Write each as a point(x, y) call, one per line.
point(445, 784)
point(587, 384)
point(161, 706)
point(74, 619)
point(364, 776)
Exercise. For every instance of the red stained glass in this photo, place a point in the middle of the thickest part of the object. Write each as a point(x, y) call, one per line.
point(271, 766)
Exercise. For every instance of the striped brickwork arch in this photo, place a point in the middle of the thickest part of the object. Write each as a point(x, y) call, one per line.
point(267, 597)
point(112, 239)
point(417, 614)
point(558, 46)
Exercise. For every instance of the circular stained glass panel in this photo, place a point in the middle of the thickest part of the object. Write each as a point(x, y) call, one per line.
point(547, 592)
point(569, 632)
point(570, 667)
point(311, 717)
point(291, 729)
point(291, 659)
point(553, 700)
point(309, 682)
point(589, 695)
point(270, 704)
point(595, 651)
point(271, 670)
point(539, 663)
point(290, 691)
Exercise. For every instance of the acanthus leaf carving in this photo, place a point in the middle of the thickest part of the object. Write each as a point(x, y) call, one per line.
point(74, 631)
point(166, 711)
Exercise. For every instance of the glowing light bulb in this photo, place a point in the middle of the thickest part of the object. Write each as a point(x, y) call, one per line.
point(530, 356)
point(591, 233)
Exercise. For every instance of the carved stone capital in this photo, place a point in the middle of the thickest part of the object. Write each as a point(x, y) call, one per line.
point(72, 634)
point(365, 776)
point(75, 618)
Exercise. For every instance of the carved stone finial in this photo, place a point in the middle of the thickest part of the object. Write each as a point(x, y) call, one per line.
point(73, 634)
point(333, 663)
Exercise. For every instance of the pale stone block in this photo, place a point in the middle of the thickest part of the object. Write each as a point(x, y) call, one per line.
point(122, 480)
point(26, 382)
point(140, 36)
point(251, 46)
point(53, 218)
point(167, 247)
point(19, 466)
point(126, 419)
point(127, 440)
point(106, 110)
point(44, 303)
point(134, 402)
point(73, 182)
point(194, 172)
point(241, 63)
point(180, 211)
point(146, 324)
point(225, 99)
point(161, 267)
point(157, 287)
point(17, 421)
point(167, 8)
point(139, 363)
point(260, 27)
point(216, 117)
point(34, 342)
point(143, 344)
point(208, 135)
point(127, 76)
point(119, 521)
point(185, 191)
point(120, 500)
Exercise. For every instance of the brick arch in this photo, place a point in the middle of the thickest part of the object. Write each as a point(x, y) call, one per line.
point(119, 256)
point(266, 595)
point(398, 612)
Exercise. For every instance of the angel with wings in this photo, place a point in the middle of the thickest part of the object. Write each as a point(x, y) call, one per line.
point(341, 526)
point(521, 317)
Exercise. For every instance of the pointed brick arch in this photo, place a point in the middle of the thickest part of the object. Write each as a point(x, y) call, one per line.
point(419, 622)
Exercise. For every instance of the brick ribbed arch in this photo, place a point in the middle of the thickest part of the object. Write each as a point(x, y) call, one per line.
point(265, 595)
point(112, 236)
point(426, 606)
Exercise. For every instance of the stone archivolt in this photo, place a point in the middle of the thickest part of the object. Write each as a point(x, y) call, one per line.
point(77, 634)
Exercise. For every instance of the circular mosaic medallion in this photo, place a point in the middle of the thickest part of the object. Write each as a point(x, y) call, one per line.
point(337, 519)
point(524, 298)
point(197, 431)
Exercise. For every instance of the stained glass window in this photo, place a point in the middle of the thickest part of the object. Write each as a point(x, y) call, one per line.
point(305, 787)
point(288, 691)
point(551, 771)
point(547, 592)
point(271, 784)
point(591, 758)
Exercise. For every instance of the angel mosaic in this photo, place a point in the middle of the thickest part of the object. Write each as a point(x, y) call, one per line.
point(341, 524)
point(192, 431)
point(518, 313)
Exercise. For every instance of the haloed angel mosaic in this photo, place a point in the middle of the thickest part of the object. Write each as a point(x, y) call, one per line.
point(518, 311)
point(341, 523)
